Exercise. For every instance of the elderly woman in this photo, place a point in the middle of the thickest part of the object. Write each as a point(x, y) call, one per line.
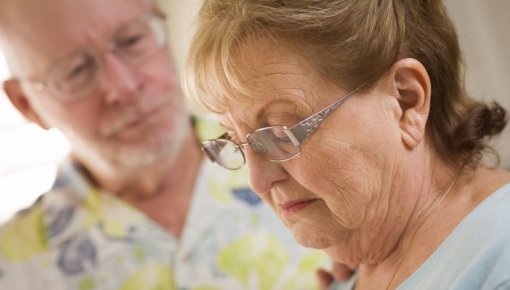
point(355, 125)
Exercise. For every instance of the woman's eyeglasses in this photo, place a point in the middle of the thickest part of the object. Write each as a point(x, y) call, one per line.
point(274, 143)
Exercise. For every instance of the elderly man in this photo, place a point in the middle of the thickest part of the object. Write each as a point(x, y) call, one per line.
point(134, 207)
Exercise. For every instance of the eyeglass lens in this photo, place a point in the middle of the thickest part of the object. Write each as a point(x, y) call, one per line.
point(225, 152)
point(273, 143)
point(135, 42)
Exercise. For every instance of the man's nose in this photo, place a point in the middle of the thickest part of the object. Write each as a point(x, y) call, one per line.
point(263, 174)
point(121, 79)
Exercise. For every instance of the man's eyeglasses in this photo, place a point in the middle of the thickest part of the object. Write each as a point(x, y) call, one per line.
point(79, 74)
point(275, 143)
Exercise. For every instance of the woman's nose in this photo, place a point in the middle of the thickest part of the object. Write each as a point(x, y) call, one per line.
point(263, 174)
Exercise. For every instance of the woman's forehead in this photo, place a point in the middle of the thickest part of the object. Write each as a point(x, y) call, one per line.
point(250, 113)
point(260, 57)
point(271, 76)
point(264, 69)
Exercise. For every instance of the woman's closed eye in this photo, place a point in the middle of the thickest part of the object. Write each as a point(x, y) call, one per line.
point(281, 138)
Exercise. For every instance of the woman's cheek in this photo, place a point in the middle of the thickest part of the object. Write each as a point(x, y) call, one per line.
point(340, 178)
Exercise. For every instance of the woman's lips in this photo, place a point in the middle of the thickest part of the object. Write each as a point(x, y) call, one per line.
point(292, 207)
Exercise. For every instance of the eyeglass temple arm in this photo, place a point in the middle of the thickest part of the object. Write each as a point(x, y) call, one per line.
point(306, 127)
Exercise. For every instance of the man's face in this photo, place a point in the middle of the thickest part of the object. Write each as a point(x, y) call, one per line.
point(134, 116)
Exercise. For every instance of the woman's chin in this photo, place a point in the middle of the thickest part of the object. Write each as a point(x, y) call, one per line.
point(311, 237)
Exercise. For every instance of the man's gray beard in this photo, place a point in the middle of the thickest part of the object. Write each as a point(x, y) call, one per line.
point(126, 157)
point(121, 159)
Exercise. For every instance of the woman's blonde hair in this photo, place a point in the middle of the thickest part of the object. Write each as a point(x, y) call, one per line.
point(350, 43)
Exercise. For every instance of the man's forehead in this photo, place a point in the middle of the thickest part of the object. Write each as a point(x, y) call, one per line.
point(65, 11)
point(49, 29)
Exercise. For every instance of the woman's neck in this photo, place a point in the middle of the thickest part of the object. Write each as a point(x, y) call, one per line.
point(430, 225)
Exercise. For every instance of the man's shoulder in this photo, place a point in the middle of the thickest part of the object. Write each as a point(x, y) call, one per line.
point(24, 235)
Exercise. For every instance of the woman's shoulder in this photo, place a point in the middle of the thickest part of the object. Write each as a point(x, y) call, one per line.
point(489, 220)
point(494, 208)
point(476, 255)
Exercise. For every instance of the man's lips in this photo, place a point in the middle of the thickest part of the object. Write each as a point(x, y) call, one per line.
point(136, 122)
point(143, 118)
point(134, 116)
point(294, 206)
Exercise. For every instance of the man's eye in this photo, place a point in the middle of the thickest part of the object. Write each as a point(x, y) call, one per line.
point(130, 41)
point(79, 70)
point(136, 36)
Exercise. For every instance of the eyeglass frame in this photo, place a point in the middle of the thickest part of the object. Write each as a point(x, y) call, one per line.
point(297, 133)
point(111, 47)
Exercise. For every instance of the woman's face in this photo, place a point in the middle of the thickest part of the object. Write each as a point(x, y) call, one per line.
point(337, 194)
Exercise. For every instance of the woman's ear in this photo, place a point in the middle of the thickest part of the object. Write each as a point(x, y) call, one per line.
point(14, 92)
point(413, 87)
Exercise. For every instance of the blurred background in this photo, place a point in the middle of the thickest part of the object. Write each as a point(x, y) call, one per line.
point(29, 156)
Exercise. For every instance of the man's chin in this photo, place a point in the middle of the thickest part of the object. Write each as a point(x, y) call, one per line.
point(142, 154)
point(135, 158)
